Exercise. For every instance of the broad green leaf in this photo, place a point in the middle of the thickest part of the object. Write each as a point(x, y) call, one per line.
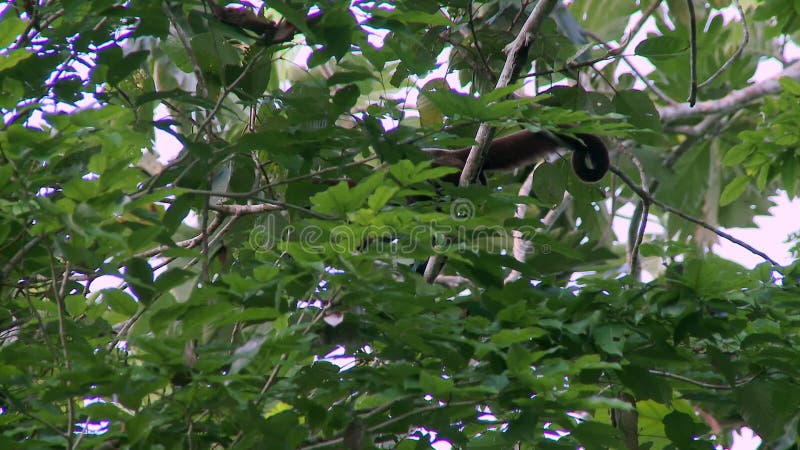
point(172, 278)
point(610, 338)
point(438, 385)
point(639, 108)
point(139, 275)
point(504, 338)
point(734, 190)
point(737, 154)
point(790, 85)
point(119, 301)
point(662, 47)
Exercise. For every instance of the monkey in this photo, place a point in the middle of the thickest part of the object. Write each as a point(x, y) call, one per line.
point(269, 32)
point(590, 160)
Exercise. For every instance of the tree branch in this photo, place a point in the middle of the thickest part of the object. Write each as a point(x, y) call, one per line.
point(485, 132)
point(611, 53)
point(198, 72)
point(681, 214)
point(731, 102)
point(737, 53)
point(703, 384)
point(692, 54)
point(483, 137)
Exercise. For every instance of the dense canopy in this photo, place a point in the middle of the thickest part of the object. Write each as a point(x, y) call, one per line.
point(219, 229)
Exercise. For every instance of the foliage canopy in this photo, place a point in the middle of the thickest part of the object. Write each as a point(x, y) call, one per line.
point(263, 286)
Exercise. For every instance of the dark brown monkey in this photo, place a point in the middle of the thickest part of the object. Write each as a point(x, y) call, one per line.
point(589, 153)
point(244, 18)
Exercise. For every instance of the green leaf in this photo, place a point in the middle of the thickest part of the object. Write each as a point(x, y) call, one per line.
point(789, 174)
point(348, 77)
point(257, 78)
point(610, 338)
point(737, 154)
point(139, 275)
point(681, 429)
point(597, 435)
point(213, 54)
point(76, 304)
point(768, 405)
point(381, 196)
point(504, 338)
point(734, 190)
point(81, 190)
point(437, 385)
point(662, 47)
point(120, 302)
point(11, 29)
point(436, 19)
point(429, 115)
point(645, 385)
point(346, 97)
point(173, 277)
point(790, 85)
point(251, 314)
point(639, 108)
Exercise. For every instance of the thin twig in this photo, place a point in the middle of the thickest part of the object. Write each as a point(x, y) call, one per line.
point(45, 334)
point(192, 242)
point(314, 174)
point(226, 91)
point(39, 25)
point(638, 25)
point(23, 37)
point(610, 54)
point(239, 210)
point(471, 23)
point(9, 266)
point(737, 53)
point(198, 72)
point(59, 292)
point(697, 129)
point(127, 326)
point(633, 256)
point(650, 85)
point(273, 375)
point(386, 423)
point(188, 243)
point(206, 212)
point(9, 400)
point(268, 205)
point(703, 384)
point(695, 221)
point(215, 239)
point(692, 53)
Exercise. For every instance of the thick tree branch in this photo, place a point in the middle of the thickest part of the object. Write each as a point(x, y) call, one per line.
point(483, 137)
point(731, 102)
point(485, 132)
